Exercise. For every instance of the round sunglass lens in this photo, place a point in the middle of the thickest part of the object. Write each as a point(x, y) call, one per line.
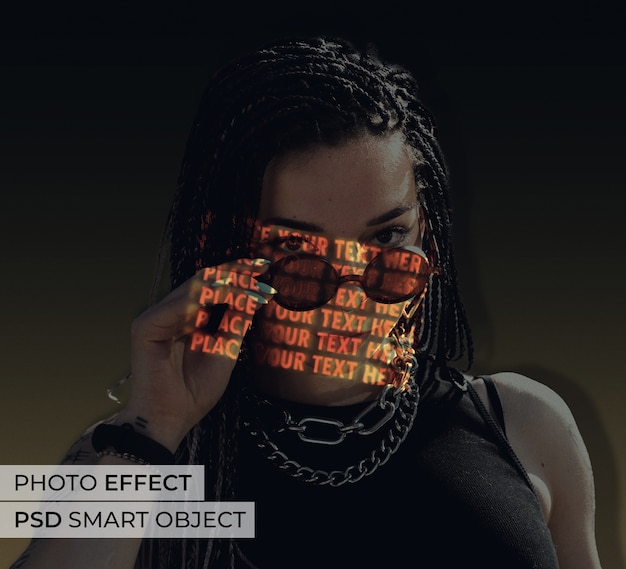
point(395, 275)
point(303, 282)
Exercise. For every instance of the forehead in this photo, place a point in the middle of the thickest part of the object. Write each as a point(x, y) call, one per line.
point(339, 188)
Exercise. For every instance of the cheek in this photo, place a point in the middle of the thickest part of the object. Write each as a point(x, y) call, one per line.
point(277, 327)
point(328, 341)
point(346, 315)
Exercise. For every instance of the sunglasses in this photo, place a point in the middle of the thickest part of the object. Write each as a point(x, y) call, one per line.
point(305, 281)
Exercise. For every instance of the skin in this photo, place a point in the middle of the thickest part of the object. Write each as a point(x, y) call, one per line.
point(319, 187)
point(174, 386)
point(312, 191)
point(558, 465)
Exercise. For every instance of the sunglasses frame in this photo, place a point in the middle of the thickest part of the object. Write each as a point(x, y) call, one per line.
point(342, 279)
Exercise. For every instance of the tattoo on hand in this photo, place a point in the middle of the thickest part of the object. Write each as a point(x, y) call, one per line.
point(73, 457)
point(141, 422)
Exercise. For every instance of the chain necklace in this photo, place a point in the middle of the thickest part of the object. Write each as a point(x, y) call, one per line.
point(404, 408)
point(398, 401)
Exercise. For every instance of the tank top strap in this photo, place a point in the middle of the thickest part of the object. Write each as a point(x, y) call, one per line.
point(494, 400)
point(497, 429)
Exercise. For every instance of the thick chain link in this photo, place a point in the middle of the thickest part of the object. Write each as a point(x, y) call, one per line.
point(400, 404)
point(365, 422)
point(398, 400)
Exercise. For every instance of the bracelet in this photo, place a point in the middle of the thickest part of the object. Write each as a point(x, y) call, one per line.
point(124, 455)
point(131, 445)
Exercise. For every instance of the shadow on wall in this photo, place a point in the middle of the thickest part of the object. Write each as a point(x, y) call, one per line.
point(602, 459)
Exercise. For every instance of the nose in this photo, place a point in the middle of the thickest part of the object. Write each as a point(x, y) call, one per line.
point(352, 258)
point(350, 294)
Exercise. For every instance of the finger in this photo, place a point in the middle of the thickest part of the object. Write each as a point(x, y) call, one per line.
point(234, 270)
point(207, 310)
point(208, 276)
point(233, 290)
point(213, 318)
point(189, 306)
point(227, 335)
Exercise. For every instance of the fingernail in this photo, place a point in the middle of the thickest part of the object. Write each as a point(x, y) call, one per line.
point(222, 282)
point(265, 288)
point(255, 296)
point(260, 261)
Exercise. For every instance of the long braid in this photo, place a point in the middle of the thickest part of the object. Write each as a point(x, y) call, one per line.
point(293, 95)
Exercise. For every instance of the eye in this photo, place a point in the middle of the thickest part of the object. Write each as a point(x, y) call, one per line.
point(292, 243)
point(391, 236)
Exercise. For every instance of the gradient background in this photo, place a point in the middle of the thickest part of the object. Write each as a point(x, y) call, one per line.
point(531, 109)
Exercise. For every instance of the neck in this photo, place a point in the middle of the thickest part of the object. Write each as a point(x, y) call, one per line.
point(312, 388)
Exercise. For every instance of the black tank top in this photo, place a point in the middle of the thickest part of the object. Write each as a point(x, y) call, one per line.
point(454, 495)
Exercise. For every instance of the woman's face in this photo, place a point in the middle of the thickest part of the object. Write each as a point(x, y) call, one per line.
point(345, 203)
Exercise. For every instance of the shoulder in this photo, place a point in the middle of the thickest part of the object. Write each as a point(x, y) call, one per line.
point(521, 387)
point(541, 426)
point(530, 404)
point(544, 434)
point(538, 416)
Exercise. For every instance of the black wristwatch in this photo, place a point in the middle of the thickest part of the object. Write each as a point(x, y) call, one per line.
point(124, 440)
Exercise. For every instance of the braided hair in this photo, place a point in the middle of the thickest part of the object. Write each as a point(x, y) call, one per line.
point(290, 95)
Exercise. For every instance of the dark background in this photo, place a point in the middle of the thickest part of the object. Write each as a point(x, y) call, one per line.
point(95, 107)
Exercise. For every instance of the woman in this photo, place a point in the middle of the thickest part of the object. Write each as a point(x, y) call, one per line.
point(304, 353)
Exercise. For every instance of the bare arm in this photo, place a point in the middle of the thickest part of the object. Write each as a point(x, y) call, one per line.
point(173, 388)
point(544, 434)
point(80, 553)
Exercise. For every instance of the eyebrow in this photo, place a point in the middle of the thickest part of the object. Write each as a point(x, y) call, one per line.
point(293, 223)
point(391, 214)
point(306, 226)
